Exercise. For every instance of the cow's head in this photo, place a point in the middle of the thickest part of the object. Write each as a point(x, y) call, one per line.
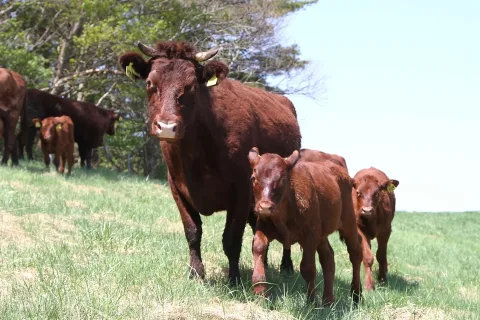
point(113, 117)
point(367, 192)
point(48, 127)
point(270, 178)
point(174, 79)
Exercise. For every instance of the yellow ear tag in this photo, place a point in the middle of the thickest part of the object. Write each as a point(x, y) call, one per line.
point(37, 125)
point(390, 187)
point(212, 81)
point(58, 127)
point(120, 119)
point(130, 71)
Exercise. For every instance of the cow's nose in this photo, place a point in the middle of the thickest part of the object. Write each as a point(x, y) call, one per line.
point(165, 130)
point(367, 211)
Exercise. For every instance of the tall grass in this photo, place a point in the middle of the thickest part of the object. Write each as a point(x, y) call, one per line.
point(99, 245)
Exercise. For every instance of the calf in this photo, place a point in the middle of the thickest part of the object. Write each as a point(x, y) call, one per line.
point(374, 202)
point(303, 202)
point(56, 135)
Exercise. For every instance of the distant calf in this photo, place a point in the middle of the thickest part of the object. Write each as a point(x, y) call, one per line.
point(303, 202)
point(374, 202)
point(56, 135)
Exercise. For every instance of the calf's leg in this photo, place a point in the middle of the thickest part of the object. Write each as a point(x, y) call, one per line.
point(308, 270)
point(382, 239)
point(260, 246)
point(327, 261)
point(367, 261)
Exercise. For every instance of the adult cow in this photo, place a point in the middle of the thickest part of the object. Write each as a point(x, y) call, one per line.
point(206, 125)
point(12, 100)
point(90, 122)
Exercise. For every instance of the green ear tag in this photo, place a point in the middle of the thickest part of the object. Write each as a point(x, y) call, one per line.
point(390, 187)
point(37, 125)
point(212, 81)
point(58, 127)
point(120, 119)
point(130, 71)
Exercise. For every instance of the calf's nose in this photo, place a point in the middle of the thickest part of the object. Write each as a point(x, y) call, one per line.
point(265, 206)
point(367, 211)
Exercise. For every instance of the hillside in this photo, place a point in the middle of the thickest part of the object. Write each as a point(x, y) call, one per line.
point(107, 246)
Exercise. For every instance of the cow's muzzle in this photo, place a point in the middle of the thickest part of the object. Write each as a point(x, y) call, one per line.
point(166, 131)
point(367, 211)
point(264, 207)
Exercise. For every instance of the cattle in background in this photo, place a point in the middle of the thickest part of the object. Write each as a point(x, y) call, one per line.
point(12, 100)
point(91, 122)
point(374, 202)
point(304, 202)
point(56, 136)
point(206, 125)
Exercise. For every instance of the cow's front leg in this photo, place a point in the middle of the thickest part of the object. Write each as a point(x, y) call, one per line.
point(260, 246)
point(192, 225)
point(237, 214)
point(88, 158)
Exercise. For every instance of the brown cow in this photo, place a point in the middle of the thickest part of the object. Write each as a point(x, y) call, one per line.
point(56, 135)
point(308, 155)
point(12, 100)
point(304, 202)
point(91, 122)
point(206, 125)
point(374, 202)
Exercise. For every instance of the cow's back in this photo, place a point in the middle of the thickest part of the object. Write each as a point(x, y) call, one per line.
point(244, 117)
point(12, 92)
point(315, 155)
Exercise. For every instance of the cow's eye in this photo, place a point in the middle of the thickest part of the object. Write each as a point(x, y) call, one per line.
point(359, 194)
point(148, 83)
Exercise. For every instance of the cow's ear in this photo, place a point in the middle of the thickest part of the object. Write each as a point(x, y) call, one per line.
point(134, 65)
point(292, 159)
point(213, 73)
point(390, 185)
point(37, 123)
point(253, 156)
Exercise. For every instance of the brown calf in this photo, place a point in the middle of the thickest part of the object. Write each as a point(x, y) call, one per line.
point(374, 202)
point(303, 202)
point(57, 138)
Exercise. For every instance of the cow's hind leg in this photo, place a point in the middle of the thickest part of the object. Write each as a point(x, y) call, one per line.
point(237, 214)
point(327, 260)
point(192, 225)
point(382, 239)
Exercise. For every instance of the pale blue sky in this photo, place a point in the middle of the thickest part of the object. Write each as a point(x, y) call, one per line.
point(402, 93)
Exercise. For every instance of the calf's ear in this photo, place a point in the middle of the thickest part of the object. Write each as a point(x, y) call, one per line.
point(213, 73)
point(390, 185)
point(292, 159)
point(134, 65)
point(253, 156)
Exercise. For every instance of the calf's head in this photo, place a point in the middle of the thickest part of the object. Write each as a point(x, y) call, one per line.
point(270, 179)
point(174, 79)
point(113, 117)
point(367, 193)
point(48, 127)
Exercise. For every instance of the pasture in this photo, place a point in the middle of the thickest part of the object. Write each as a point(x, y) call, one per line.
point(100, 245)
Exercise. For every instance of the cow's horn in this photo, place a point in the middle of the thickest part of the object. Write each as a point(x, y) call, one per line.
point(204, 56)
point(148, 51)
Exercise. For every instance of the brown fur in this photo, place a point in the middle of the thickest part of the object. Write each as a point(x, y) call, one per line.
point(12, 100)
point(91, 122)
point(304, 202)
point(56, 136)
point(215, 127)
point(310, 155)
point(375, 209)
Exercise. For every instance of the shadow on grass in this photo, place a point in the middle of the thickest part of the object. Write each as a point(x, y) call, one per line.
point(398, 283)
point(287, 291)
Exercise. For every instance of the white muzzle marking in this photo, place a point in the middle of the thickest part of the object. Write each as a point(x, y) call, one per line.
point(166, 130)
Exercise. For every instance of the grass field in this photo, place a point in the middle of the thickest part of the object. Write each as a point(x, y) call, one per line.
point(100, 245)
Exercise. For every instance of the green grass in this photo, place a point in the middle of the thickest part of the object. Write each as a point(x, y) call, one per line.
point(99, 245)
